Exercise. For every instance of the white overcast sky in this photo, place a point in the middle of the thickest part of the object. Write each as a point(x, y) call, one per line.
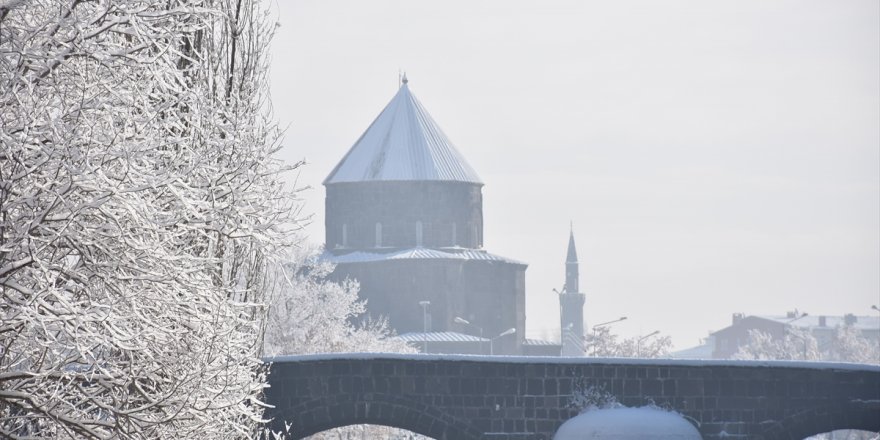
point(715, 157)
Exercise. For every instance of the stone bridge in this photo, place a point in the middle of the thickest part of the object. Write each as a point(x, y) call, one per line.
point(456, 397)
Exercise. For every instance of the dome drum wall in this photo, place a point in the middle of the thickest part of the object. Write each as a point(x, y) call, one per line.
point(449, 214)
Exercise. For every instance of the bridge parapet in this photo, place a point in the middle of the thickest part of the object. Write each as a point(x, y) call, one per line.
point(506, 398)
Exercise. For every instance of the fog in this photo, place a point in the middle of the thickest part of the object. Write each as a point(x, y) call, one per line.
point(713, 157)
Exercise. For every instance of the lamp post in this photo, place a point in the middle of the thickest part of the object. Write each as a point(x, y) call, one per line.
point(796, 317)
point(804, 340)
point(509, 331)
point(604, 324)
point(639, 342)
point(461, 320)
point(425, 305)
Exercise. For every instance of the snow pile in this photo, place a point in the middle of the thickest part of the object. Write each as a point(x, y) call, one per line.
point(627, 423)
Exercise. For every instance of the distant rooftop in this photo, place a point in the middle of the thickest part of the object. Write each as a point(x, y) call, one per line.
point(703, 351)
point(439, 337)
point(403, 143)
point(809, 321)
point(541, 342)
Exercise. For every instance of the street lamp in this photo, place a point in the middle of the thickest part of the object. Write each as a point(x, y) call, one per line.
point(803, 339)
point(639, 342)
point(461, 320)
point(509, 331)
point(622, 318)
point(796, 317)
point(425, 305)
point(603, 324)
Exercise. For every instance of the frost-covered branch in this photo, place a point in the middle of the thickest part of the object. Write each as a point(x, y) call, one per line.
point(141, 210)
point(311, 314)
point(602, 343)
point(847, 344)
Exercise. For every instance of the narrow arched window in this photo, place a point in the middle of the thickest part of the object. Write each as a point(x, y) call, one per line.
point(344, 235)
point(418, 233)
point(454, 235)
point(378, 234)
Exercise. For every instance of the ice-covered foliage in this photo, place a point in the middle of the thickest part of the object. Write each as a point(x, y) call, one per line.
point(797, 344)
point(140, 205)
point(602, 343)
point(311, 314)
point(846, 345)
point(586, 397)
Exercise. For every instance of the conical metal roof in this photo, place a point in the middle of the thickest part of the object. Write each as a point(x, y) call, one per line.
point(403, 143)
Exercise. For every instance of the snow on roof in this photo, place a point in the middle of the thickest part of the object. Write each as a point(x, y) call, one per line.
point(417, 253)
point(576, 360)
point(699, 352)
point(809, 321)
point(528, 341)
point(438, 337)
point(627, 423)
point(403, 143)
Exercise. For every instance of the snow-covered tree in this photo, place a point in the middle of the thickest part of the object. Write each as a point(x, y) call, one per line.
point(311, 314)
point(796, 344)
point(140, 207)
point(602, 343)
point(847, 345)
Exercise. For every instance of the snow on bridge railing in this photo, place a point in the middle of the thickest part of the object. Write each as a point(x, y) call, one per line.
point(823, 365)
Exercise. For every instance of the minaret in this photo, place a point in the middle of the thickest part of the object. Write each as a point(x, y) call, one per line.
point(571, 306)
point(571, 266)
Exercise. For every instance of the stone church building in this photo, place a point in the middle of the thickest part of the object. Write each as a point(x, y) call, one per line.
point(404, 217)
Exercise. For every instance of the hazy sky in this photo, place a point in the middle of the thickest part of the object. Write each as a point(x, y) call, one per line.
point(715, 157)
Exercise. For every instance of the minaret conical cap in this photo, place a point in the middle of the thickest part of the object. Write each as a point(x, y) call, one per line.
point(572, 256)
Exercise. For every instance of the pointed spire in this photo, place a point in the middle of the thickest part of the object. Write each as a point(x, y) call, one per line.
point(572, 256)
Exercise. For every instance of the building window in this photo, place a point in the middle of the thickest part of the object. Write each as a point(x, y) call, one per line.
point(378, 234)
point(344, 235)
point(418, 233)
point(454, 235)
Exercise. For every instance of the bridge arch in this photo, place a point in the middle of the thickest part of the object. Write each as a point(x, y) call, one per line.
point(859, 415)
point(336, 411)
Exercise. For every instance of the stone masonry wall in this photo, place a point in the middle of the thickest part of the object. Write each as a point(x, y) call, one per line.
point(457, 398)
